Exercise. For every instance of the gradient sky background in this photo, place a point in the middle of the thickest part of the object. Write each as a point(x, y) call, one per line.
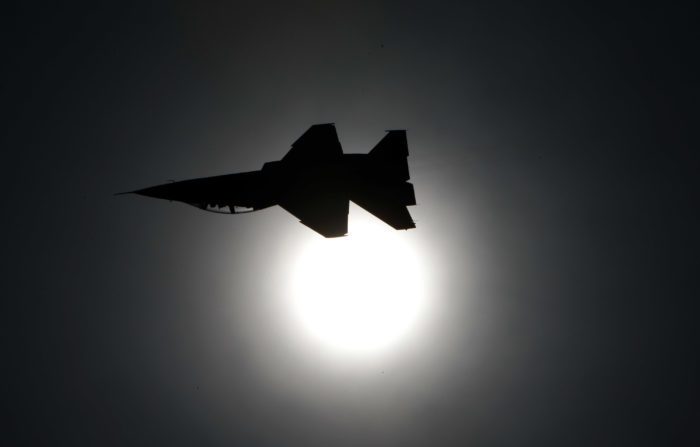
point(553, 150)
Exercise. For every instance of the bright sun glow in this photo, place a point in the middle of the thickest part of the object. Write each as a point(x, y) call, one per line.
point(361, 293)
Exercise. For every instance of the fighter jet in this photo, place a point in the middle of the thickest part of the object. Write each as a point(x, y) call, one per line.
point(315, 182)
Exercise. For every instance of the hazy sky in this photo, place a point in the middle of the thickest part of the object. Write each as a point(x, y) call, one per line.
point(552, 149)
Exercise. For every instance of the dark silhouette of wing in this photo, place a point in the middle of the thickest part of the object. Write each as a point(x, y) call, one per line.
point(389, 156)
point(386, 207)
point(319, 143)
point(314, 197)
point(324, 212)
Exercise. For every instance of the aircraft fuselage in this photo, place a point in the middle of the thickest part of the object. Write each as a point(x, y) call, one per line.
point(314, 181)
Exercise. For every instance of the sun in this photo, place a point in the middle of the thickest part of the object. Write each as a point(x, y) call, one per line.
point(360, 294)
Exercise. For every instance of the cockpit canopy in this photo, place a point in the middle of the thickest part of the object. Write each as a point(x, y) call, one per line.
point(222, 208)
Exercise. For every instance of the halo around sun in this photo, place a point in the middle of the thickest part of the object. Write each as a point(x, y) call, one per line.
point(359, 294)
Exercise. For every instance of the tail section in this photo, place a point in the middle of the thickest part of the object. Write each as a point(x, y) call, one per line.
point(390, 193)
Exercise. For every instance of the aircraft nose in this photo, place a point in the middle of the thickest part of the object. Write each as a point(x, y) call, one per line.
point(159, 192)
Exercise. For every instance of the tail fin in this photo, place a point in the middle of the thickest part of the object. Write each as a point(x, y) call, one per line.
point(391, 153)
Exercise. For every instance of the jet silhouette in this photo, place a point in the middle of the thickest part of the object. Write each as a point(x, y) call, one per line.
point(315, 182)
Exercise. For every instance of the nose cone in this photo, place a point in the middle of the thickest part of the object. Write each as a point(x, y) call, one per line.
point(166, 191)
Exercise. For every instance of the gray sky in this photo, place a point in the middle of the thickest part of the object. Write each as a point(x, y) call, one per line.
point(553, 160)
